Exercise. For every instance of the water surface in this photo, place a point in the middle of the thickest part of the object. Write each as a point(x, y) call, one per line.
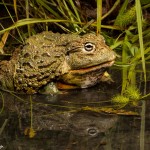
point(68, 121)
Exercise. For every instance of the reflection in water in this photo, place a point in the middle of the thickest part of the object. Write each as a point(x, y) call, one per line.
point(61, 124)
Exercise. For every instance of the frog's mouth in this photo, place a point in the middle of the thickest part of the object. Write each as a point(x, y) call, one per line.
point(94, 68)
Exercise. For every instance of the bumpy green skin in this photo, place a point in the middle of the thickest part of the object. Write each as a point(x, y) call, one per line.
point(48, 57)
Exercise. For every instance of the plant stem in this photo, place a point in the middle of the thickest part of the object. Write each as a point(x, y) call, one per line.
point(99, 15)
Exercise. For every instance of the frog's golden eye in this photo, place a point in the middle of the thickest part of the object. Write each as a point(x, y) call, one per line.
point(89, 47)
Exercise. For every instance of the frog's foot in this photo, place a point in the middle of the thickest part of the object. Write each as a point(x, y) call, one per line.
point(49, 88)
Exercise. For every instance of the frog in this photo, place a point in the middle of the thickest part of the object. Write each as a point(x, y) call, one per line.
point(57, 61)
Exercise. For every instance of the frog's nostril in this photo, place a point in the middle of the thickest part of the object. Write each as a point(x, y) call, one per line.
point(92, 131)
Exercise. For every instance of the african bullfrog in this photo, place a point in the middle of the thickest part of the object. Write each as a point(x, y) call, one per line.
point(57, 61)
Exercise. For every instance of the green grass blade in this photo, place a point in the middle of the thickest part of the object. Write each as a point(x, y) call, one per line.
point(71, 16)
point(125, 70)
point(85, 26)
point(12, 19)
point(111, 10)
point(30, 21)
point(99, 15)
point(139, 24)
point(27, 16)
point(42, 3)
point(75, 10)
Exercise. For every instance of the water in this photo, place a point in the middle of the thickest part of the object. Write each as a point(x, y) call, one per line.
point(69, 121)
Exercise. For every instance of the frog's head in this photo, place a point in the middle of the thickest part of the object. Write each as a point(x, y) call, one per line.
point(88, 51)
point(87, 58)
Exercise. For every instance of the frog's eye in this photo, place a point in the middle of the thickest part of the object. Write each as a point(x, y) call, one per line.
point(89, 47)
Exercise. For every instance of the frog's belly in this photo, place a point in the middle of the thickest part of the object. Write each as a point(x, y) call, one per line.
point(82, 78)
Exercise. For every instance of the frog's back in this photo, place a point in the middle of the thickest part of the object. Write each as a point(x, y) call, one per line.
point(40, 60)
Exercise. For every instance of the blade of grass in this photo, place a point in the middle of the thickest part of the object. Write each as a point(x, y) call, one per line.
point(85, 26)
point(23, 22)
point(15, 8)
point(30, 21)
point(139, 24)
point(99, 15)
point(138, 55)
point(63, 27)
point(125, 70)
point(3, 126)
point(76, 27)
point(3, 41)
point(42, 3)
point(62, 10)
point(27, 16)
point(12, 20)
point(75, 10)
point(111, 10)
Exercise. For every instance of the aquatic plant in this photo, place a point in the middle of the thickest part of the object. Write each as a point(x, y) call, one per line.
point(120, 100)
point(130, 96)
point(29, 130)
point(132, 93)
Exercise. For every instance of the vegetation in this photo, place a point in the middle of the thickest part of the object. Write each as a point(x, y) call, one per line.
point(124, 24)
point(130, 96)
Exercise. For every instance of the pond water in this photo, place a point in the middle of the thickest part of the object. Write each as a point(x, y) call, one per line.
point(72, 120)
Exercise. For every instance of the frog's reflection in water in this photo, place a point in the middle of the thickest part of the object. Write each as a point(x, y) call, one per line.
point(62, 122)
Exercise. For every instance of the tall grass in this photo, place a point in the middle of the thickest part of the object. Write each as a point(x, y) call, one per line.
point(140, 33)
point(135, 51)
